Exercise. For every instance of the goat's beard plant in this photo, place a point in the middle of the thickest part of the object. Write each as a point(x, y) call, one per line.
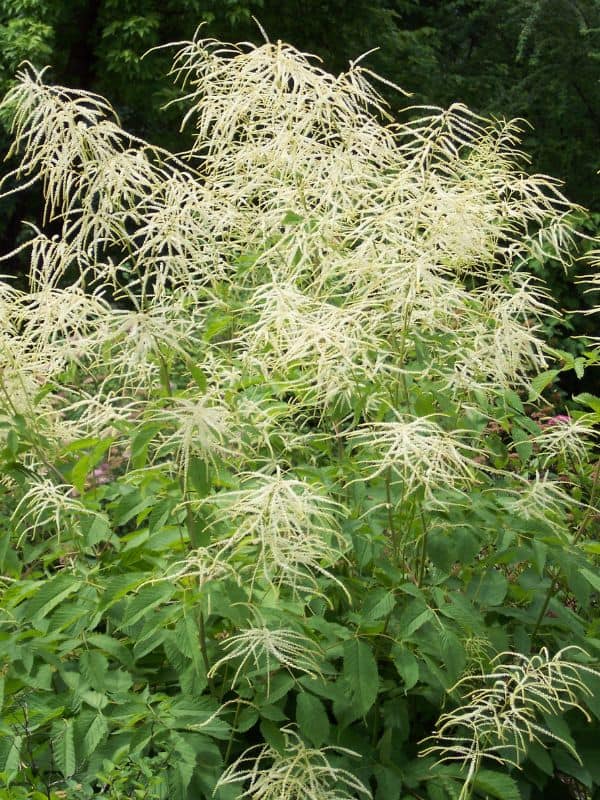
point(268, 458)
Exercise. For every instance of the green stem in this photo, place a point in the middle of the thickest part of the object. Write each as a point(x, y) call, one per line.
point(230, 742)
point(165, 380)
point(204, 652)
point(554, 586)
point(591, 509)
point(165, 374)
point(401, 349)
point(423, 554)
point(390, 515)
point(407, 529)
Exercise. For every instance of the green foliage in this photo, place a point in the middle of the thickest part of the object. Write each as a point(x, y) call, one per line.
point(278, 500)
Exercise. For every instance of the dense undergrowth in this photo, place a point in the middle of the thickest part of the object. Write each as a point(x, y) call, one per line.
point(284, 512)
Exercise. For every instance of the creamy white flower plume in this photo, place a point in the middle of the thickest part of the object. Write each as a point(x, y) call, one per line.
point(567, 439)
point(296, 773)
point(264, 648)
point(46, 504)
point(419, 453)
point(501, 715)
point(288, 529)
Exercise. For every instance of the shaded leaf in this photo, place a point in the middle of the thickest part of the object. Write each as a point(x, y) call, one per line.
point(496, 784)
point(360, 672)
point(96, 732)
point(63, 747)
point(312, 718)
point(406, 664)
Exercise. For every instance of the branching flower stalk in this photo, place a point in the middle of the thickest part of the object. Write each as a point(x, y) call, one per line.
point(165, 378)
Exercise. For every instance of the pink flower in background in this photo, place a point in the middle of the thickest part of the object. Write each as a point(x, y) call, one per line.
point(557, 420)
point(102, 473)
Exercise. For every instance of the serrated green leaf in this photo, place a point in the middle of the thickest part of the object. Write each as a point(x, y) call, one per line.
point(147, 598)
point(406, 664)
point(463, 612)
point(117, 586)
point(592, 578)
point(489, 589)
point(417, 622)
point(560, 728)
point(246, 719)
point(173, 653)
point(96, 732)
point(590, 400)
point(5, 553)
point(425, 404)
point(111, 646)
point(541, 381)
point(95, 528)
point(291, 218)
point(496, 784)
point(197, 714)
point(12, 443)
point(512, 399)
point(129, 506)
point(118, 682)
point(389, 783)
point(378, 604)
point(198, 476)
point(10, 754)
point(96, 700)
point(140, 442)
point(161, 512)
point(188, 638)
point(215, 324)
point(179, 777)
point(540, 757)
point(361, 675)
point(312, 719)
point(441, 550)
point(94, 667)
point(272, 735)
point(51, 592)
point(198, 375)
point(272, 713)
point(152, 639)
point(79, 473)
point(63, 747)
